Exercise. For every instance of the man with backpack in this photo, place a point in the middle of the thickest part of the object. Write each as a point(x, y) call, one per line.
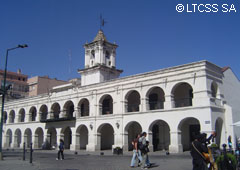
point(144, 150)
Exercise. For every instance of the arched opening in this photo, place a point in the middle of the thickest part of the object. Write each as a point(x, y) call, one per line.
point(21, 115)
point(189, 128)
point(82, 137)
point(160, 135)
point(17, 138)
point(106, 105)
point(68, 109)
point(214, 89)
point(52, 137)
point(55, 109)
point(66, 135)
point(28, 137)
point(8, 138)
point(156, 98)
point(132, 129)
point(5, 117)
point(43, 111)
point(38, 138)
point(219, 128)
point(133, 101)
point(183, 95)
point(83, 107)
point(33, 113)
point(12, 116)
point(106, 137)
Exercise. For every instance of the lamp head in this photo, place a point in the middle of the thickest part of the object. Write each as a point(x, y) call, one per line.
point(22, 46)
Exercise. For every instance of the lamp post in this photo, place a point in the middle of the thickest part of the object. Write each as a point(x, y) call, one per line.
point(4, 93)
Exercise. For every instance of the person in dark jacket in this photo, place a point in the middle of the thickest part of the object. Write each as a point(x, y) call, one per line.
point(61, 149)
point(197, 148)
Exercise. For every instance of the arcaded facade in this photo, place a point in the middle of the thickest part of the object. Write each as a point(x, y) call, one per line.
point(106, 111)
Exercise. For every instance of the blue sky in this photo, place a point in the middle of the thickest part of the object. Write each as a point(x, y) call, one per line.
point(151, 34)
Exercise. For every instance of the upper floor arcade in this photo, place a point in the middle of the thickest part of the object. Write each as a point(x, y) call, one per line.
point(151, 98)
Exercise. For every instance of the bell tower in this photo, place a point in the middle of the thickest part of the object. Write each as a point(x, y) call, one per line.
point(100, 62)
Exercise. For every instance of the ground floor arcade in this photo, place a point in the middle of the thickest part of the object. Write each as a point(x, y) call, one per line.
point(108, 134)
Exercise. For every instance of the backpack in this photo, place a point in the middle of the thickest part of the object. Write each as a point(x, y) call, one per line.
point(140, 145)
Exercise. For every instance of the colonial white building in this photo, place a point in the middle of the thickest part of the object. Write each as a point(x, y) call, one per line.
point(106, 111)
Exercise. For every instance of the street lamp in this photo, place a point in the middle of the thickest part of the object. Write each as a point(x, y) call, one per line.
point(4, 93)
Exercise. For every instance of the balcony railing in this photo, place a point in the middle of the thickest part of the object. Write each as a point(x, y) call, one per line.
point(133, 108)
point(58, 119)
point(155, 105)
point(184, 102)
point(106, 111)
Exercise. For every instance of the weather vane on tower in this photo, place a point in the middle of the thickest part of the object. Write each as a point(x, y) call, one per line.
point(102, 22)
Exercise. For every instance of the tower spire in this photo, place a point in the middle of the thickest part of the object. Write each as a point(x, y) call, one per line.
point(102, 22)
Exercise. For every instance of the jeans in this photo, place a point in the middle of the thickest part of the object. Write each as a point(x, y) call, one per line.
point(60, 152)
point(136, 154)
point(144, 159)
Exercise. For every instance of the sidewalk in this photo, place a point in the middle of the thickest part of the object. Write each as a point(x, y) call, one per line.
point(46, 160)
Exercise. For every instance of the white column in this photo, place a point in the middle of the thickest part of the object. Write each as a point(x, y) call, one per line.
point(176, 144)
point(94, 142)
point(150, 141)
point(125, 141)
point(73, 146)
point(169, 102)
point(143, 107)
point(35, 141)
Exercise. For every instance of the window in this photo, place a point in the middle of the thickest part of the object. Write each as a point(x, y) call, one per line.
point(107, 55)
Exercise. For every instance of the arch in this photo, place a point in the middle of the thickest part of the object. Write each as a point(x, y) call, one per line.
point(82, 137)
point(55, 110)
point(183, 95)
point(8, 138)
point(219, 128)
point(160, 135)
point(214, 89)
point(52, 137)
point(155, 98)
point(66, 135)
point(133, 101)
point(32, 113)
point(17, 138)
point(131, 130)
point(83, 107)
point(5, 117)
point(106, 105)
point(43, 111)
point(21, 115)
point(68, 109)
point(12, 116)
point(105, 136)
point(38, 138)
point(28, 137)
point(188, 128)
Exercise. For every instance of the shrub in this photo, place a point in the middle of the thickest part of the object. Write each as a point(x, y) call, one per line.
point(232, 160)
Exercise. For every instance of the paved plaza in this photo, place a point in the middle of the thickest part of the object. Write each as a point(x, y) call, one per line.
point(46, 160)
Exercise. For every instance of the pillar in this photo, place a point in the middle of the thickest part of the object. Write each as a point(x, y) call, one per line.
point(143, 107)
point(125, 141)
point(150, 141)
point(73, 146)
point(176, 144)
point(169, 102)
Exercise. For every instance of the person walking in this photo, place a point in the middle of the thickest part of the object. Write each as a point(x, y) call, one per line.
point(230, 142)
point(143, 147)
point(61, 149)
point(136, 152)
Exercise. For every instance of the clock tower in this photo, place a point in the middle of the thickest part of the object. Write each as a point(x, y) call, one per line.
point(100, 62)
